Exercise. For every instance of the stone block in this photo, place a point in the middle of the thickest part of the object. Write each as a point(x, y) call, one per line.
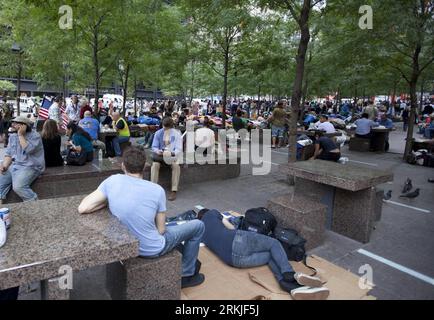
point(353, 213)
point(146, 279)
point(302, 214)
point(319, 193)
point(359, 144)
point(379, 194)
point(50, 290)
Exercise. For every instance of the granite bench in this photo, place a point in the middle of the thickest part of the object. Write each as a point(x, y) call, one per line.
point(146, 279)
point(71, 180)
point(359, 144)
point(301, 214)
point(49, 236)
point(194, 173)
point(349, 192)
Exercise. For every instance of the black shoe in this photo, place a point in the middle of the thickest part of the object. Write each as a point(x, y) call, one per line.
point(187, 282)
point(198, 266)
point(289, 286)
point(431, 180)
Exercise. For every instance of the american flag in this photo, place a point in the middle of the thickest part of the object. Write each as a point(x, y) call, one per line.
point(65, 119)
point(43, 112)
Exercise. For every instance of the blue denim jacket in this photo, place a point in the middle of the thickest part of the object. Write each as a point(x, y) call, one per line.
point(30, 157)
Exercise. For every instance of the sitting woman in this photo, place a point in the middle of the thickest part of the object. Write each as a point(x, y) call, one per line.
point(51, 140)
point(80, 140)
point(245, 249)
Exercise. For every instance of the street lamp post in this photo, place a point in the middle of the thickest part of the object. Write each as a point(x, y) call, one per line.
point(17, 49)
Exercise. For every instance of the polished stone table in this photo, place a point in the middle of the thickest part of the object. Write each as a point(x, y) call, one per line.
point(48, 234)
point(65, 181)
point(378, 140)
point(347, 190)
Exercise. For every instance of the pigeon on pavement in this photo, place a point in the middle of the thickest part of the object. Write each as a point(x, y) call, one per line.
point(411, 195)
point(388, 195)
point(407, 186)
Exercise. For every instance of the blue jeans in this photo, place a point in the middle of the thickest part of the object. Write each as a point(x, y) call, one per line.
point(191, 234)
point(19, 180)
point(117, 144)
point(251, 249)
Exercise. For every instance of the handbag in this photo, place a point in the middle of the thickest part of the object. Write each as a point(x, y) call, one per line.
point(74, 158)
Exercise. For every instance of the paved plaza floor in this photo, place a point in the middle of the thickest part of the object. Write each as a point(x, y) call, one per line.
point(401, 248)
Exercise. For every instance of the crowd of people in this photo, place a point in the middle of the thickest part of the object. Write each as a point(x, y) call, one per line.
point(143, 210)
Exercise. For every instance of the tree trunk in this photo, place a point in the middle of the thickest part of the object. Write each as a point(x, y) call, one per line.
point(225, 84)
point(192, 82)
point(421, 96)
point(20, 70)
point(97, 73)
point(125, 89)
point(395, 84)
point(413, 99)
point(135, 96)
point(303, 21)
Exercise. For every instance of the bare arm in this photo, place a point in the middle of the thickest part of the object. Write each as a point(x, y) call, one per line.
point(227, 224)
point(93, 202)
point(6, 163)
point(160, 222)
point(318, 151)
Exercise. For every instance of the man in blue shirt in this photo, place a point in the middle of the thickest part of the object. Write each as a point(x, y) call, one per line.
point(364, 126)
point(92, 126)
point(166, 147)
point(24, 161)
point(143, 211)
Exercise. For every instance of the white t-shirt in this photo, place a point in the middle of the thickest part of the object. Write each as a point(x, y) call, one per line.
point(204, 138)
point(54, 112)
point(327, 127)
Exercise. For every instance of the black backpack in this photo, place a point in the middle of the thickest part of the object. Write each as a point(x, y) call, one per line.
point(259, 220)
point(292, 243)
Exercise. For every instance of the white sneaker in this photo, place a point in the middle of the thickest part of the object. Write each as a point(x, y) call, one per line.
point(307, 293)
point(308, 281)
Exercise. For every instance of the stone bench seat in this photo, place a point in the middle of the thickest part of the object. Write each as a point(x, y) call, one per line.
point(359, 144)
point(67, 181)
point(146, 279)
point(302, 214)
point(194, 173)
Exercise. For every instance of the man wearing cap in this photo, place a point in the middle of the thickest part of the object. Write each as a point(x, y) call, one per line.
point(23, 162)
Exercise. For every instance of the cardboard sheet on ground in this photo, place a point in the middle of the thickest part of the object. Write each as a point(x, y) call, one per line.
point(226, 283)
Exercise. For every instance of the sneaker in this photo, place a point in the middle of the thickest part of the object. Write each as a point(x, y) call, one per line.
point(431, 180)
point(307, 293)
point(309, 281)
point(187, 282)
point(289, 286)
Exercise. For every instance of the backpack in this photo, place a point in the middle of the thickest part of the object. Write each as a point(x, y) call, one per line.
point(291, 242)
point(259, 220)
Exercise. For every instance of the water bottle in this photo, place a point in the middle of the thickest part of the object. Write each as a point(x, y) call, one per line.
point(2, 233)
point(344, 160)
point(5, 217)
